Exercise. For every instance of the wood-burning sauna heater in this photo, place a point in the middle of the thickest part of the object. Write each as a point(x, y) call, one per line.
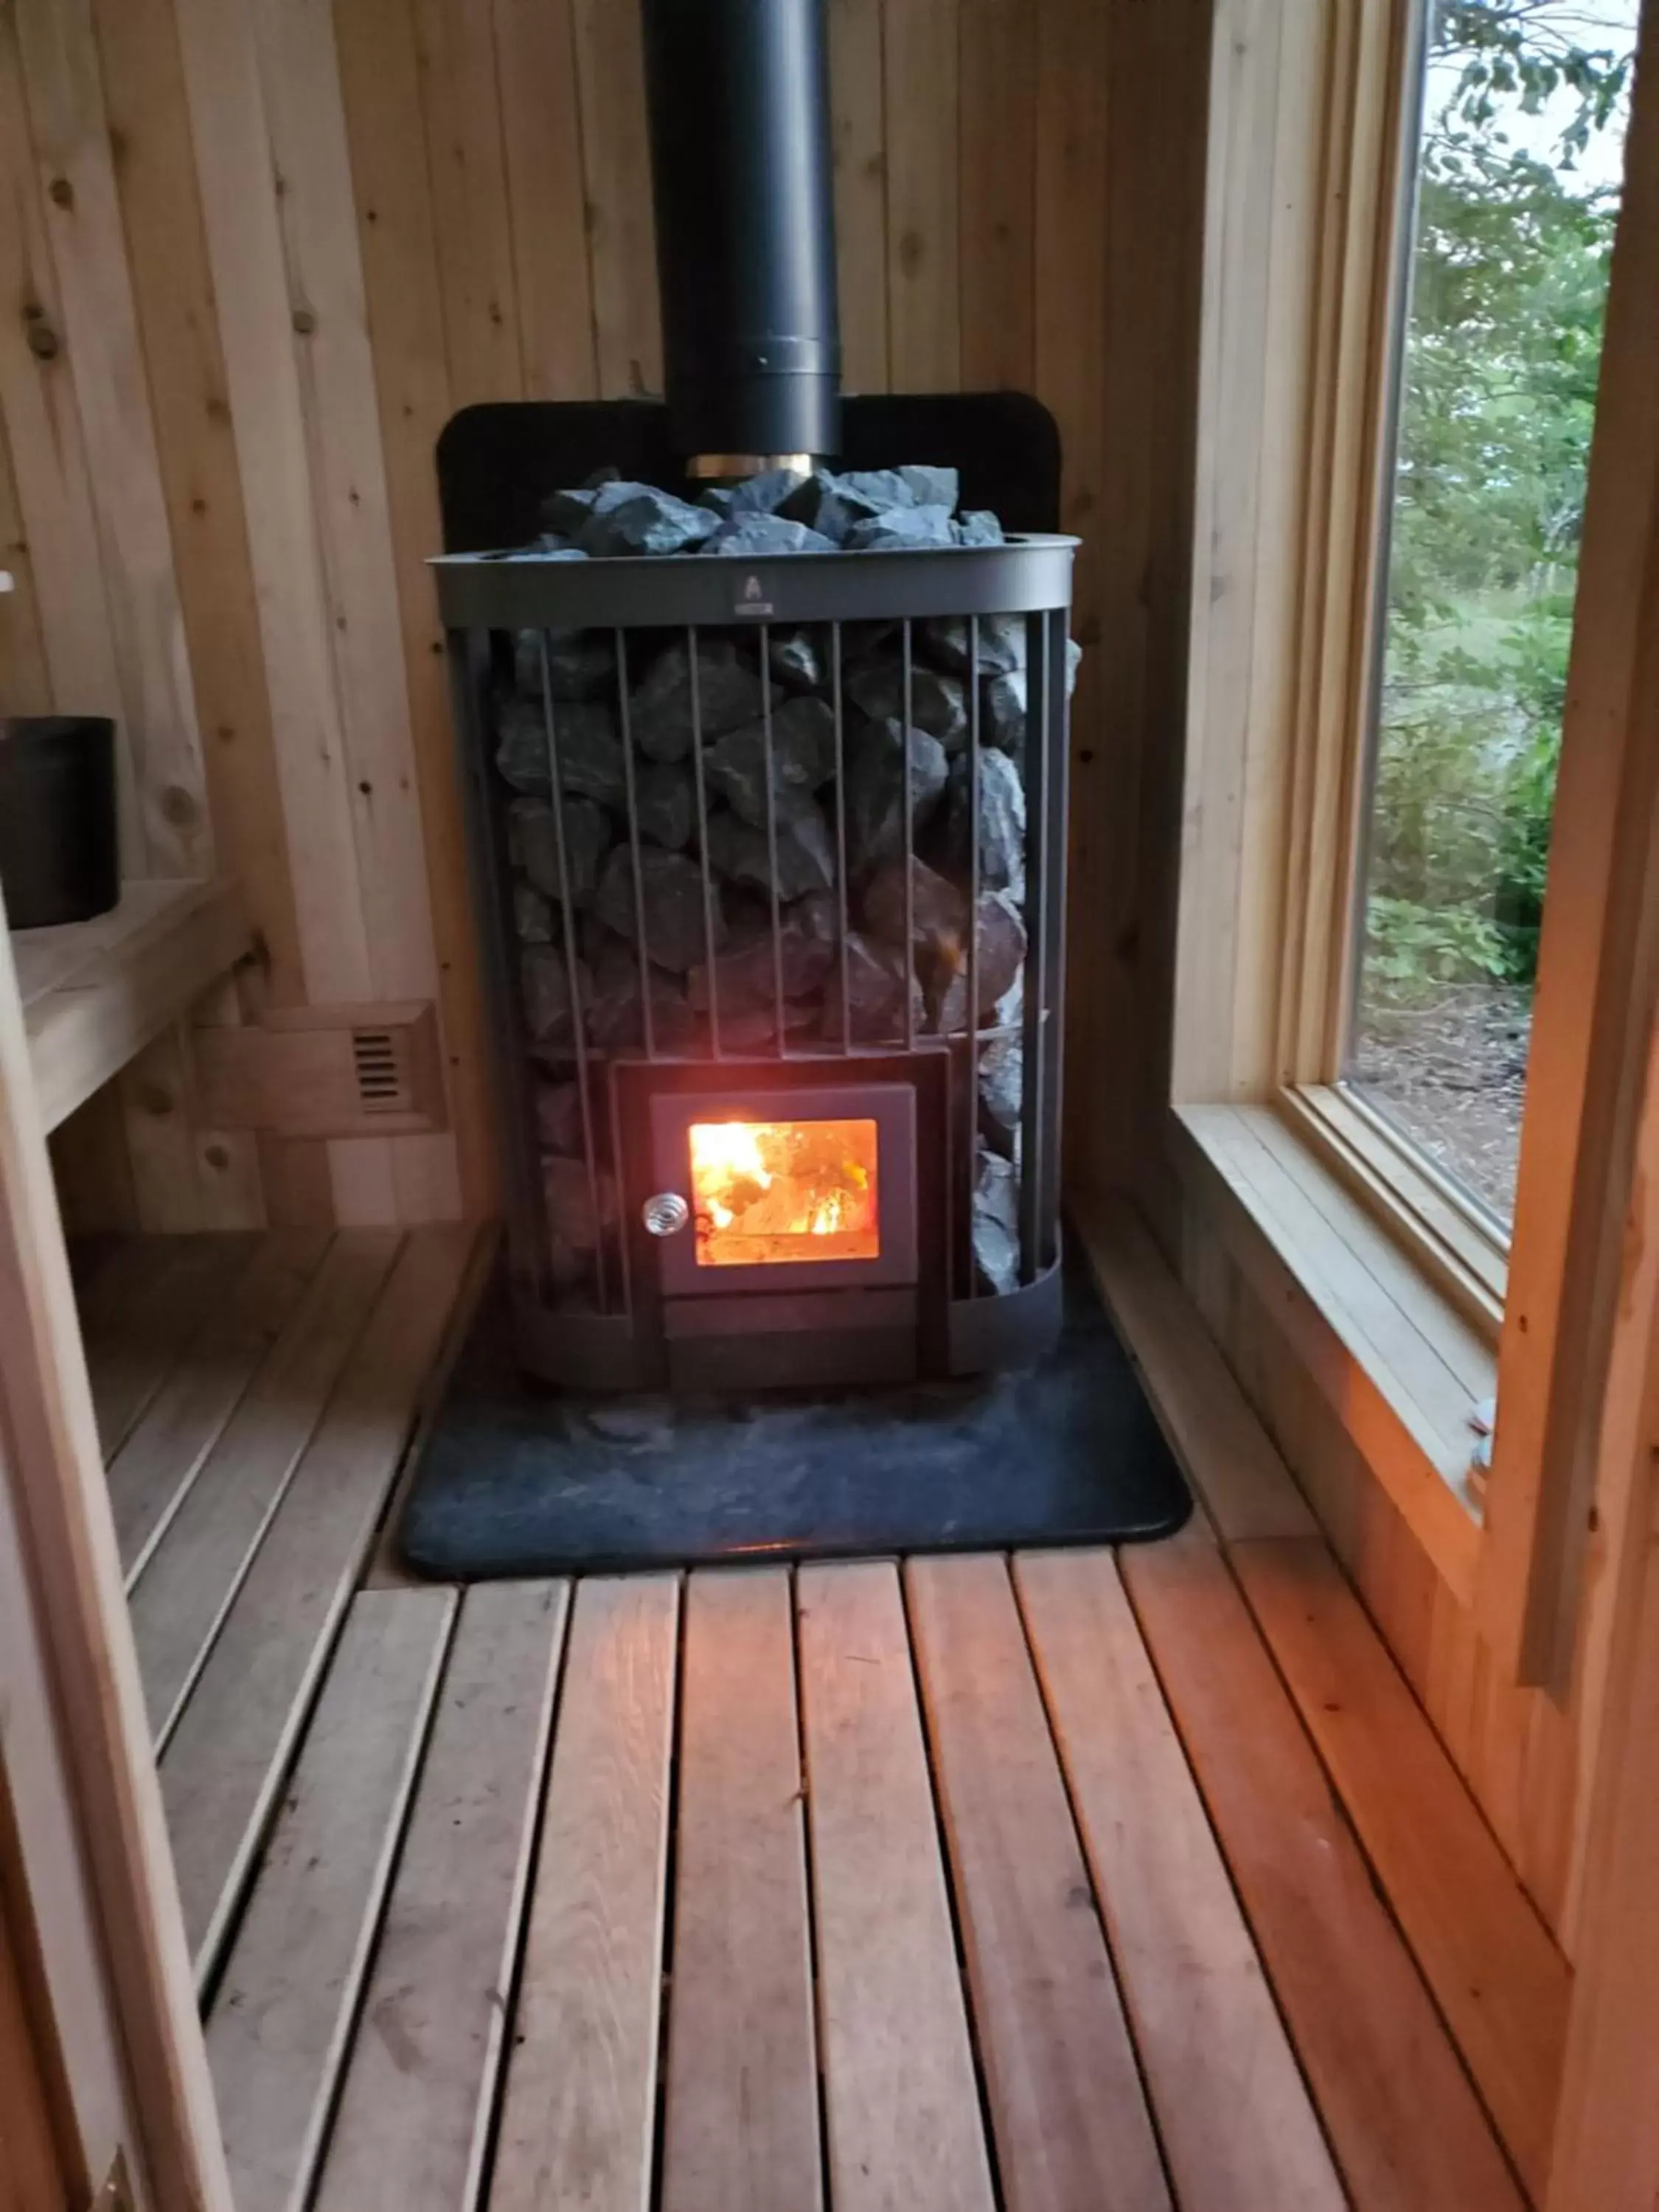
point(767, 849)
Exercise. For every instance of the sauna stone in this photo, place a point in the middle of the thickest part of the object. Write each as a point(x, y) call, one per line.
point(729, 693)
point(938, 704)
point(875, 788)
point(804, 852)
point(1001, 822)
point(671, 905)
point(760, 534)
point(803, 752)
point(995, 1220)
point(532, 845)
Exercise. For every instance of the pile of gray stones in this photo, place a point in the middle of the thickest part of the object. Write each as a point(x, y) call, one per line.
point(712, 965)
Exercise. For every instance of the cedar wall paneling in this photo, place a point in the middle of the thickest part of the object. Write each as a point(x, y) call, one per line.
point(253, 253)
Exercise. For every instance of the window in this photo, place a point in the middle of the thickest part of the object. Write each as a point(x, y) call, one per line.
point(1389, 501)
point(1521, 113)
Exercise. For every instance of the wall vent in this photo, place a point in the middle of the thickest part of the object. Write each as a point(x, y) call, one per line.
point(355, 1071)
point(382, 1079)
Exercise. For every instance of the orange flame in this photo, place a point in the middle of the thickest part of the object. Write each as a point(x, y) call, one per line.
point(765, 1192)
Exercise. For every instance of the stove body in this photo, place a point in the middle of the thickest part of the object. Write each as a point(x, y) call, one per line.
point(775, 988)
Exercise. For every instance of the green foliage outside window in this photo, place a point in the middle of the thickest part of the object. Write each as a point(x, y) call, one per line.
point(1509, 285)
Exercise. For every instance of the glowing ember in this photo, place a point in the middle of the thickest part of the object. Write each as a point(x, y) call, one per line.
point(770, 1191)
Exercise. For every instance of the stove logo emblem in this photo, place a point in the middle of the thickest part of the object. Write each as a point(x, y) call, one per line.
point(752, 600)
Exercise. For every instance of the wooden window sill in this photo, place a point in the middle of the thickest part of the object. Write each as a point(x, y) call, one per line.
point(1389, 1349)
point(1454, 1247)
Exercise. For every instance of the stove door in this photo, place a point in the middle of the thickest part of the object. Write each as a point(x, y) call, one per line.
point(785, 1189)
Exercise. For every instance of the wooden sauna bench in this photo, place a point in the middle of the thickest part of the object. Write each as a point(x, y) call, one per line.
point(1066, 1880)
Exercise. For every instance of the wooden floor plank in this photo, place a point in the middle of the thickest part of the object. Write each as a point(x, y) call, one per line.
point(1406, 2129)
point(742, 2128)
point(1068, 2118)
point(1238, 2129)
point(284, 2008)
point(901, 2108)
point(581, 2104)
point(420, 2083)
point(1499, 1977)
point(182, 1596)
point(226, 1761)
point(139, 1313)
point(154, 1467)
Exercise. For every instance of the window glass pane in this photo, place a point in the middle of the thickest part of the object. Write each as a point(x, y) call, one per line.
point(1519, 168)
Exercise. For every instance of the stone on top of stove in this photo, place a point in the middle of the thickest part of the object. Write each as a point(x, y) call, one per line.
point(779, 512)
point(754, 535)
point(634, 519)
point(761, 495)
point(902, 530)
point(836, 504)
point(979, 526)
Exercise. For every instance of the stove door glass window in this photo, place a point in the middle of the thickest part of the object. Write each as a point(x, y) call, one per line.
point(766, 1191)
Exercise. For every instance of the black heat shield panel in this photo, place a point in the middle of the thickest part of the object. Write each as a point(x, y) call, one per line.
point(514, 1480)
point(497, 462)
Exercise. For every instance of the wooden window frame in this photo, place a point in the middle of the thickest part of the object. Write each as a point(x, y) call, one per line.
point(1313, 159)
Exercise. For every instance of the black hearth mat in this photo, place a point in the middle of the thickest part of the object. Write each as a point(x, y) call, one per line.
point(520, 1481)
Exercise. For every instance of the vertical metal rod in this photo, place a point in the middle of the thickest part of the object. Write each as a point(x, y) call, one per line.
point(578, 1013)
point(840, 845)
point(471, 688)
point(624, 1240)
point(772, 836)
point(714, 1050)
point(1034, 1103)
point(1060, 717)
point(909, 867)
point(641, 941)
point(973, 932)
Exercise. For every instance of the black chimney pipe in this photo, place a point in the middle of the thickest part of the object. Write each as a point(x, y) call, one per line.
point(738, 92)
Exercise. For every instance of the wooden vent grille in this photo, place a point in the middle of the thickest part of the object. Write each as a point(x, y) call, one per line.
point(326, 1072)
point(382, 1079)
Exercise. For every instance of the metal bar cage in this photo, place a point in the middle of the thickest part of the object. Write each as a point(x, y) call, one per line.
point(782, 816)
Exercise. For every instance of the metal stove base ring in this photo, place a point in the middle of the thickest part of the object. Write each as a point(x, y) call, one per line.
point(761, 833)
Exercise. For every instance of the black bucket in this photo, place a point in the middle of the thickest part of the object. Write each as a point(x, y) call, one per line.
point(59, 859)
